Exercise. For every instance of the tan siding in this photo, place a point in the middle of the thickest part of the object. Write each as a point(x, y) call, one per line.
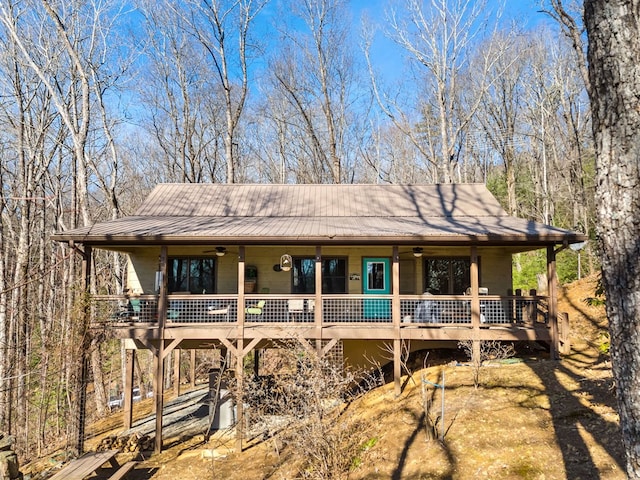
point(141, 271)
point(495, 266)
point(496, 272)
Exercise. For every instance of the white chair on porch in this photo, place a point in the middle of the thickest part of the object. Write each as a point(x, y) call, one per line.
point(295, 309)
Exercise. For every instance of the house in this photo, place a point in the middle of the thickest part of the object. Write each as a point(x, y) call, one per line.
point(346, 268)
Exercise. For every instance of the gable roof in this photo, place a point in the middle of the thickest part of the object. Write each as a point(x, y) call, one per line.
point(319, 214)
point(235, 200)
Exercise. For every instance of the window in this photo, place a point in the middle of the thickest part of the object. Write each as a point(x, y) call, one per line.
point(447, 275)
point(334, 275)
point(376, 276)
point(195, 275)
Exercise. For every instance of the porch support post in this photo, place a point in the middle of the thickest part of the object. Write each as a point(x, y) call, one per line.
point(317, 311)
point(239, 349)
point(240, 402)
point(176, 372)
point(553, 301)
point(241, 301)
point(475, 305)
point(256, 363)
point(130, 358)
point(395, 318)
point(159, 358)
point(192, 374)
point(84, 360)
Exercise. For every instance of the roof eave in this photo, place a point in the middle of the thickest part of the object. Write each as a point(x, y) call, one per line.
point(445, 240)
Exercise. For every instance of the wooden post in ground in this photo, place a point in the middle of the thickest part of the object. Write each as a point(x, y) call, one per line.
point(192, 374)
point(240, 404)
point(176, 372)
point(552, 291)
point(395, 318)
point(239, 349)
point(130, 356)
point(84, 356)
point(159, 357)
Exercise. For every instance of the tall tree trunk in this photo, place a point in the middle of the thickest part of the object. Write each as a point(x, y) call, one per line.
point(613, 28)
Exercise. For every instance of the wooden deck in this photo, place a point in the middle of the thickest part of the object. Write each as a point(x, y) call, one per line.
point(203, 319)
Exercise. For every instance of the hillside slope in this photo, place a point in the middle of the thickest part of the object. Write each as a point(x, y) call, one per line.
point(530, 419)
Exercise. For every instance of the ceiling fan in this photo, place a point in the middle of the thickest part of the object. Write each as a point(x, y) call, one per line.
point(416, 251)
point(219, 251)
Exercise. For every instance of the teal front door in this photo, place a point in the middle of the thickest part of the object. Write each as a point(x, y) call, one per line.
point(377, 281)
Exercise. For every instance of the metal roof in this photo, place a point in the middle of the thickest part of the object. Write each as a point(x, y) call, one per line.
point(233, 200)
point(319, 214)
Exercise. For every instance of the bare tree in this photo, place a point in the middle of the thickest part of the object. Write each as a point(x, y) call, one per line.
point(501, 108)
point(28, 116)
point(185, 107)
point(575, 111)
point(222, 28)
point(316, 91)
point(614, 47)
point(68, 71)
point(60, 120)
point(439, 38)
point(570, 20)
point(305, 406)
point(390, 156)
point(489, 350)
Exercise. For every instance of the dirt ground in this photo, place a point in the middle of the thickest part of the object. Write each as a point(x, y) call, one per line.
point(530, 418)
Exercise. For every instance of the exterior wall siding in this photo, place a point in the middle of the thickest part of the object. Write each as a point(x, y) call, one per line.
point(495, 264)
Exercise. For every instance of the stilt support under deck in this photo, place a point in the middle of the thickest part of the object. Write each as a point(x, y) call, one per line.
point(130, 358)
point(397, 370)
point(176, 372)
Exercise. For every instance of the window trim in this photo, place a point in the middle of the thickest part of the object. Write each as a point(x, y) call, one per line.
point(190, 258)
point(344, 258)
point(449, 258)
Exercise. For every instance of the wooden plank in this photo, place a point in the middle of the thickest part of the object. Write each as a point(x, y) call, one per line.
point(128, 388)
point(123, 470)
point(85, 465)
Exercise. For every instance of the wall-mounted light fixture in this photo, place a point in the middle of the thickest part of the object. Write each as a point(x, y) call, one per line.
point(417, 252)
point(220, 251)
point(286, 262)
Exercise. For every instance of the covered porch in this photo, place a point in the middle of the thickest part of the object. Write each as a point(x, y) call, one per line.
point(240, 267)
point(240, 322)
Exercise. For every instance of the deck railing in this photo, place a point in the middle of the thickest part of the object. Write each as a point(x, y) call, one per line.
point(415, 310)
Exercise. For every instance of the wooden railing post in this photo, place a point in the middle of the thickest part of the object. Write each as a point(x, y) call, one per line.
point(475, 305)
point(529, 316)
point(318, 309)
point(518, 304)
point(241, 293)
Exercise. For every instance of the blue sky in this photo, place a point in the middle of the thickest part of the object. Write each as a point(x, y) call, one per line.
point(387, 56)
point(525, 11)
